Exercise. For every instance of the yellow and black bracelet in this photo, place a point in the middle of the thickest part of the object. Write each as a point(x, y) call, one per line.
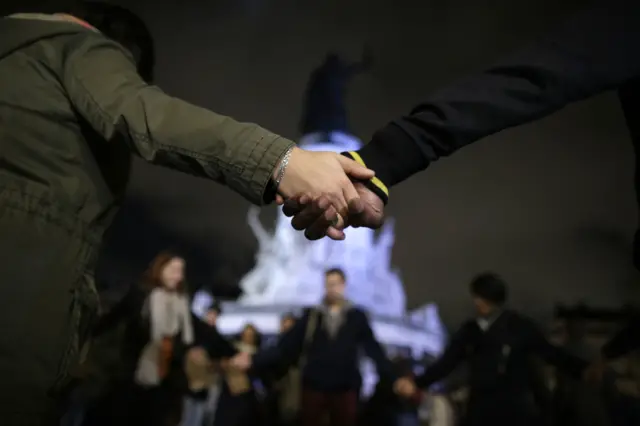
point(374, 184)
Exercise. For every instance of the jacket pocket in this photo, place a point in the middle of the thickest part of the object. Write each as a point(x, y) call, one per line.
point(83, 312)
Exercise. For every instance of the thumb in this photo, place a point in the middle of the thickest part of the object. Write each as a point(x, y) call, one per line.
point(355, 170)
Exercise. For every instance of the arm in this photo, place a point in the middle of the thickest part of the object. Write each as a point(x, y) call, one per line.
point(285, 351)
point(187, 325)
point(119, 312)
point(102, 83)
point(554, 355)
point(453, 355)
point(625, 341)
point(156, 314)
point(595, 51)
point(210, 338)
point(373, 350)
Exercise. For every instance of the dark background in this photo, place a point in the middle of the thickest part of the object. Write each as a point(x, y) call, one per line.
point(549, 205)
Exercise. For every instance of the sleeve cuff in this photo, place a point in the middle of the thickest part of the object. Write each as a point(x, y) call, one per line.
point(376, 185)
point(393, 154)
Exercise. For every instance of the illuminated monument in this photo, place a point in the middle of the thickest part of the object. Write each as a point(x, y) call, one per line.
point(289, 269)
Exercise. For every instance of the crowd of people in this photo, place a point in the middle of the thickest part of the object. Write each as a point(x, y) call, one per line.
point(175, 368)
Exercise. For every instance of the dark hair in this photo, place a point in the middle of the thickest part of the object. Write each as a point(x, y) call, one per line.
point(215, 307)
point(288, 317)
point(336, 271)
point(36, 6)
point(124, 27)
point(152, 277)
point(490, 287)
point(249, 326)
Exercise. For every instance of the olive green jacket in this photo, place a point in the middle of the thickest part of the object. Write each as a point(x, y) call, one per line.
point(73, 110)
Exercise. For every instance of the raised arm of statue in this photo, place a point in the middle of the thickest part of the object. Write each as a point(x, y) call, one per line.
point(261, 234)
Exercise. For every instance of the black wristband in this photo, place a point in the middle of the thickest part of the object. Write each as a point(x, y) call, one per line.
point(374, 184)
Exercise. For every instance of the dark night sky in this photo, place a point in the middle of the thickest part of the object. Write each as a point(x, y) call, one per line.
point(549, 205)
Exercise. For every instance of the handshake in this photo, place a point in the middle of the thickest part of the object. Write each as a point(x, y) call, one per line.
point(324, 192)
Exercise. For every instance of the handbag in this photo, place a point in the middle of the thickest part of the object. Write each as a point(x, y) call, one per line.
point(291, 384)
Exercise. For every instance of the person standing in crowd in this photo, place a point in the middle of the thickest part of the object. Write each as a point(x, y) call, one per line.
point(75, 111)
point(167, 309)
point(202, 368)
point(325, 344)
point(283, 397)
point(497, 346)
point(239, 404)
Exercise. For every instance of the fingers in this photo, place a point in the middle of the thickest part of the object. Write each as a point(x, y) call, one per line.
point(309, 213)
point(355, 170)
point(329, 218)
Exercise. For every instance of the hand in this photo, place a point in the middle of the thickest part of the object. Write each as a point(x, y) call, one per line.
point(327, 174)
point(404, 387)
point(595, 371)
point(241, 361)
point(308, 214)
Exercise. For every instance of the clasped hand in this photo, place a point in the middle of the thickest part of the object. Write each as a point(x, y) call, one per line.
point(321, 191)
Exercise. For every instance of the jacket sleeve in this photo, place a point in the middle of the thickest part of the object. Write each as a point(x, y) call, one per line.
point(120, 312)
point(101, 81)
point(374, 351)
point(595, 51)
point(285, 351)
point(552, 354)
point(453, 355)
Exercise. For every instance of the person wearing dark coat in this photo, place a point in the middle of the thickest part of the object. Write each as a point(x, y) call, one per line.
point(497, 346)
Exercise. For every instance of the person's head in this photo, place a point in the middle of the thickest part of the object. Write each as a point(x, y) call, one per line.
point(37, 6)
point(124, 27)
point(212, 314)
point(489, 293)
point(166, 271)
point(334, 284)
point(287, 322)
point(250, 336)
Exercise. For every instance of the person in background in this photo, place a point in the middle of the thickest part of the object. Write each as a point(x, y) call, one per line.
point(287, 322)
point(497, 346)
point(283, 396)
point(167, 309)
point(325, 343)
point(202, 368)
point(238, 404)
point(75, 112)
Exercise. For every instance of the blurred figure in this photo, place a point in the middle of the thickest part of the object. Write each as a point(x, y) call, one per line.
point(576, 403)
point(325, 110)
point(167, 309)
point(325, 344)
point(497, 346)
point(284, 390)
point(238, 404)
point(287, 322)
point(201, 375)
point(201, 398)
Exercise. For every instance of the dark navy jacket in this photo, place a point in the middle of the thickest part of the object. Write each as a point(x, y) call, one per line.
point(331, 363)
